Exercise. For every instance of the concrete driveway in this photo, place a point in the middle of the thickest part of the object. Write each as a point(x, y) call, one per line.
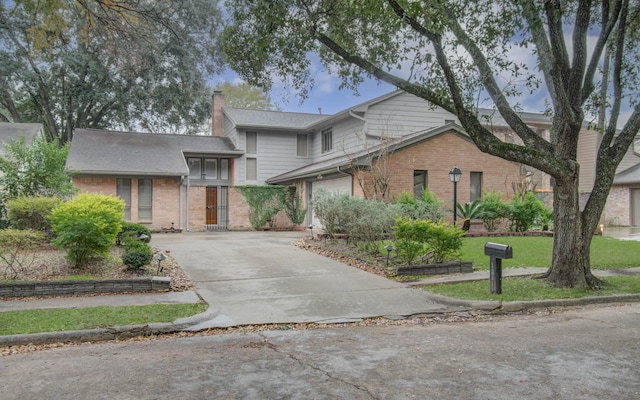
point(262, 278)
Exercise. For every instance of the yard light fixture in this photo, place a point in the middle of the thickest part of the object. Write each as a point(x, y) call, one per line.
point(311, 229)
point(160, 257)
point(389, 248)
point(455, 175)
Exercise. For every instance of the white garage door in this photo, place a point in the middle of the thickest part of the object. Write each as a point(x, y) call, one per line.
point(339, 185)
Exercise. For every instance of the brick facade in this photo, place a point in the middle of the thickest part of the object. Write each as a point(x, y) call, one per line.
point(617, 211)
point(437, 156)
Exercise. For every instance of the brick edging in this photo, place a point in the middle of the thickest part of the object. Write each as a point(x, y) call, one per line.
point(64, 288)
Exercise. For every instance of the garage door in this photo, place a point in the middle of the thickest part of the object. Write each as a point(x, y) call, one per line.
point(341, 185)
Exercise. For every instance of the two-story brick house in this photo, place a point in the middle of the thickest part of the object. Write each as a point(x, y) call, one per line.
point(189, 181)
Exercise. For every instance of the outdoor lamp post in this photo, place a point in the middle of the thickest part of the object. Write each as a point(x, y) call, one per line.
point(455, 175)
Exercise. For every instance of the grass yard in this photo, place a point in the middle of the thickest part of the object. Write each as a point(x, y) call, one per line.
point(535, 251)
point(528, 289)
point(56, 320)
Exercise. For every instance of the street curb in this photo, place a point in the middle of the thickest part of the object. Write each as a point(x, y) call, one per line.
point(184, 324)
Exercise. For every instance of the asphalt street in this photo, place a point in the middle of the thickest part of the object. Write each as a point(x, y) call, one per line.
point(590, 352)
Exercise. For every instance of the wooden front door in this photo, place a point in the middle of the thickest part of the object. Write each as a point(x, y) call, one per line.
point(212, 205)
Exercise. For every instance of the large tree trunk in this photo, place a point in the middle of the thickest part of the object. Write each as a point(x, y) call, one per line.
point(570, 264)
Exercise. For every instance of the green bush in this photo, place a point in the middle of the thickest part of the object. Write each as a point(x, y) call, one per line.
point(367, 221)
point(15, 250)
point(493, 211)
point(332, 209)
point(427, 207)
point(523, 213)
point(32, 212)
point(133, 230)
point(443, 239)
point(87, 226)
point(137, 254)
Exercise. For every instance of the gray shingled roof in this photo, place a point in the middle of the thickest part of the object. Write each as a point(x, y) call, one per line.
point(245, 118)
point(628, 176)
point(12, 131)
point(101, 152)
point(338, 165)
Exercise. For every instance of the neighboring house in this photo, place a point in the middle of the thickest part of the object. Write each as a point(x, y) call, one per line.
point(379, 149)
point(10, 131)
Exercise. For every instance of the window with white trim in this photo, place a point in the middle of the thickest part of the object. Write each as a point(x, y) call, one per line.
point(123, 190)
point(252, 169)
point(327, 140)
point(145, 199)
point(252, 143)
point(475, 192)
point(302, 145)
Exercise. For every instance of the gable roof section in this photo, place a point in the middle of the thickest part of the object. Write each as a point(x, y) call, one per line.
point(628, 176)
point(341, 164)
point(276, 120)
point(101, 152)
point(13, 131)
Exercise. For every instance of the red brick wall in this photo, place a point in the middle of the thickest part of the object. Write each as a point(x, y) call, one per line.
point(166, 198)
point(238, 210)
point(617, 210)
point(437, 156)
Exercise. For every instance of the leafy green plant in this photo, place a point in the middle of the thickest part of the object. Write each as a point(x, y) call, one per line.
point(545, 219)
point(264, 203)
point(137, 254)
point(133, 230)
point(16, 250)
point(32, 212)
point(443, 239)
point(293, 206)
point(87, 226)
point(427, 207)
point(493, 211)
point(524, 212)
point(469, 211)
point(331, 210)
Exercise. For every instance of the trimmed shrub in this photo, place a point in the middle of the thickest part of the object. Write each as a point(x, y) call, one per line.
point(523, 213)
point(32, 213)
point(87, 226)
point(427, 207)
point(133, 230)
point(493, 211)
point(412, 237)
point(332, 209)
point(15, 250)
point(137, 254)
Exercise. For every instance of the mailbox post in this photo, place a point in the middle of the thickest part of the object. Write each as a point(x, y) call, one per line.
point(496, 252)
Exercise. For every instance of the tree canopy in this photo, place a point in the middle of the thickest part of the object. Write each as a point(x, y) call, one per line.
point(130, 64)
point(460, 55)
point(243, 95)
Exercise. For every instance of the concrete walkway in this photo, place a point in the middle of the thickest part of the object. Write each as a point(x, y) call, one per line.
point(261, 278)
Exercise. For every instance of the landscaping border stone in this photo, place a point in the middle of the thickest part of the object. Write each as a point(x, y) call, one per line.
point(65, 288)
point(451, 267)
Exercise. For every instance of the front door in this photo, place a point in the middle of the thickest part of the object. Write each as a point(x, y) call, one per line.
point(212, 205)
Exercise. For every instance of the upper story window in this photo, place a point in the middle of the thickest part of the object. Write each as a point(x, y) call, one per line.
point(302, 146)
point(252, 143)
point(327, 140)
point(208, 168)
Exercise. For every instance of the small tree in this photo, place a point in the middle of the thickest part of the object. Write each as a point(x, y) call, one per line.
point(87, 226)
point(36, 170)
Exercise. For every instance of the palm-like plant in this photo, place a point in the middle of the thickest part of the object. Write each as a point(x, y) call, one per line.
point(469, 211)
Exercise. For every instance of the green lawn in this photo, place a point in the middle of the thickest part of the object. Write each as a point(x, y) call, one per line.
point(55, 320)
point(535, 251)
point(528, 289)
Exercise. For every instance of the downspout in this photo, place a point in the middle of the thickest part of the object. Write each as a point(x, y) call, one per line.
point(188, 186)
point(181, 203)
